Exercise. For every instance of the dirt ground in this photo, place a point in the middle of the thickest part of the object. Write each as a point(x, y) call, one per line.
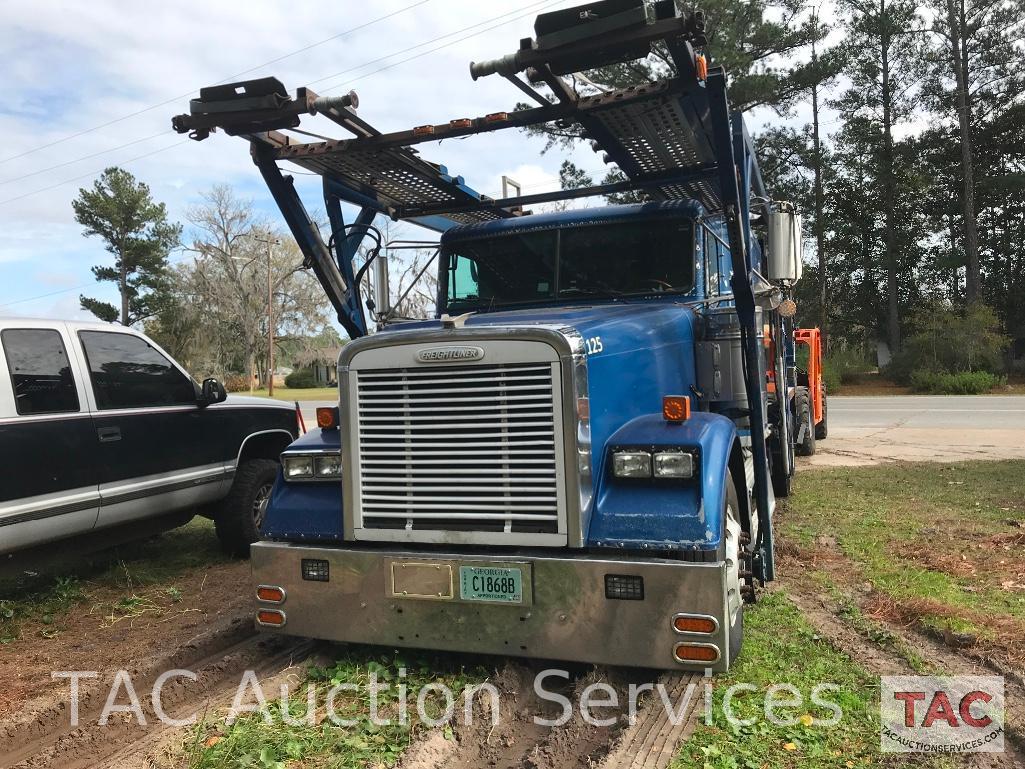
point(204, 626)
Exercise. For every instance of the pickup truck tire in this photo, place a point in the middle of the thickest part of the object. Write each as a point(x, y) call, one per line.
point(822, 428)
point(731, 544)
point(805, 420)
point(241, 515)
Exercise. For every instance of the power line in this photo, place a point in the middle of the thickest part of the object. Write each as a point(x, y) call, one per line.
point(434, 40)
point(94, 173)
point(44, 296)
point(84, 157)
point(174, 99)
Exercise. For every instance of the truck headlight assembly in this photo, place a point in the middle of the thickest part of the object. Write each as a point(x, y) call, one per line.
point(631, 464)
point(296, 468)
point(673, 464)
point(319, 466)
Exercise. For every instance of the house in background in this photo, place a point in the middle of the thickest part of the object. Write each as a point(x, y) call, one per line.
point(322, 361)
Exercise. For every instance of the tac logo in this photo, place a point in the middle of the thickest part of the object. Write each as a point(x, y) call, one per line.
point(449, 354)
point(932, 714)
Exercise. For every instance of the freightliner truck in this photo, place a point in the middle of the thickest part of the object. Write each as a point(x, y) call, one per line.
point(579, 457)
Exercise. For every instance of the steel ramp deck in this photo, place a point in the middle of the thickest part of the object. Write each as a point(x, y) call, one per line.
point(651, 132)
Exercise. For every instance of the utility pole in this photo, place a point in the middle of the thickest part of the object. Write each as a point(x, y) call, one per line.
point(270, 243)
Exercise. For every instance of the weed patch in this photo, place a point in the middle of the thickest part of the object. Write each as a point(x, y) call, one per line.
point(281, 734)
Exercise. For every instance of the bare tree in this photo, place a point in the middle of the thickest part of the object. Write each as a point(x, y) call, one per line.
point(222, 295)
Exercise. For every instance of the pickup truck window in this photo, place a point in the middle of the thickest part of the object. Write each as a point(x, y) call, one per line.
point(127, 372)
point(40, 371)
point(639, 258)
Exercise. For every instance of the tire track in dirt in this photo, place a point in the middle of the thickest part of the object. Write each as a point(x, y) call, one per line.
point(218, 658)
point(609, 740)
point(821, 615)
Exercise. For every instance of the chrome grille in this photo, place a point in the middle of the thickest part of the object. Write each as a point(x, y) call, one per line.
point(471, 448)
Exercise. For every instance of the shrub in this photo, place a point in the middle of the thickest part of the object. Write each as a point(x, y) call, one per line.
point(831, 376)
point(950, 340)
point(301, 379)
point(961, 383)
point(236, 383)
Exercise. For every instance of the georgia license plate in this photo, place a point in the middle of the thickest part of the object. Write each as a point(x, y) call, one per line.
point(491, 583)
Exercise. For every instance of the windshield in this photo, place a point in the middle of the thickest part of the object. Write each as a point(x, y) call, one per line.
point(595, 261)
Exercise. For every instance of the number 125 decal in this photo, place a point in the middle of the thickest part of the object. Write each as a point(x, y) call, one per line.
point(593, 345)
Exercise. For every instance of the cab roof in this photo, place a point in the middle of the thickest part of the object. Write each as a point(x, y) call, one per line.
point(689, 209)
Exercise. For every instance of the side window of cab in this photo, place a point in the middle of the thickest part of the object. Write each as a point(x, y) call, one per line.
point(128, 372)
point(40, 371)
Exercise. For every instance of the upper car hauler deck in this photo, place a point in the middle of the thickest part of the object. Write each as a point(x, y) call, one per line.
point(577, 459)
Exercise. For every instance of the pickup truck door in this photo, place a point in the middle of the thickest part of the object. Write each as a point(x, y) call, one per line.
point(47, 441)
point(159, 452)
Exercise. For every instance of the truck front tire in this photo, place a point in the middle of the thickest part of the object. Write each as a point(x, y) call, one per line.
point(241, 515)
point(732, 530)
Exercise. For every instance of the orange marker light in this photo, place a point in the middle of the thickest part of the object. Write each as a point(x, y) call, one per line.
point(676, 408)
point(423, 130)
point(270, 594)
point(695, 653)
point(686, 624)
point(496, 117)
point(270, 617)
point(701, 66)
point(463, 122)
point(327, 417)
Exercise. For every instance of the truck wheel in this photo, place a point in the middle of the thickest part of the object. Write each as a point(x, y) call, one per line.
point(822, 428)
point(804, 417)
point(733, 531)
point(780, 479)
point(241, 515)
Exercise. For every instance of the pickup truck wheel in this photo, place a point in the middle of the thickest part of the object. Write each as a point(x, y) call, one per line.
point(804, 419)
point(732, 555)
point(241, 515)
point(822, 428)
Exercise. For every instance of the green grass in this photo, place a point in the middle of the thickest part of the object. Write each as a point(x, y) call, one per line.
point(39, 604)
point(923, 533)
point(304, 394)
point(780, 647)
point(270, 743)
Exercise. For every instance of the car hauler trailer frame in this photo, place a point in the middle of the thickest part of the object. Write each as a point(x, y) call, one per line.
point(586, 475)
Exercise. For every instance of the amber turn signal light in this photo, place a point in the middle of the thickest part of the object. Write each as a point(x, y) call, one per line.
point(271, 617)
point(327, 417)
point(270, 593)
point(695, 653)
point(676, 408)
point(701, 67)
point(684, 623)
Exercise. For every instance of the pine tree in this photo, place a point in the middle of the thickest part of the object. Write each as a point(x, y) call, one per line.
point(135, 230)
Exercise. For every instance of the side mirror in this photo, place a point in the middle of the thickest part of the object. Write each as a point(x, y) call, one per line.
point(212, 391)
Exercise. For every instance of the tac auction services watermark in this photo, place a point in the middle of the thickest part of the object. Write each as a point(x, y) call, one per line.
point(942, 714)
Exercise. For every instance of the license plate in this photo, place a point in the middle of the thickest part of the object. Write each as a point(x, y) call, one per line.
point(491, 583)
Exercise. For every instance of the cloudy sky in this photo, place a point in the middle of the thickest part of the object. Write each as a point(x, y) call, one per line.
point(90, 85)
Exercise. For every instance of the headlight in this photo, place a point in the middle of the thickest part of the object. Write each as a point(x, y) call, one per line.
point(297, 467)
point(329, 466)
point(673, 464)
point(631, 464)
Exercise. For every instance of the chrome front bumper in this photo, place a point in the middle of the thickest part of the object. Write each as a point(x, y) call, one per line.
point(565, 615)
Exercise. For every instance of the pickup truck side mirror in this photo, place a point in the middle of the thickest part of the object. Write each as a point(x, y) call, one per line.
point(212, 391)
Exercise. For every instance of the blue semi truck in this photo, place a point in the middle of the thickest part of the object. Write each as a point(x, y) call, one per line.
point(579, 457)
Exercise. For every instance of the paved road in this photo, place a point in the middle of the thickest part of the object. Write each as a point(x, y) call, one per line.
point(870, 429)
